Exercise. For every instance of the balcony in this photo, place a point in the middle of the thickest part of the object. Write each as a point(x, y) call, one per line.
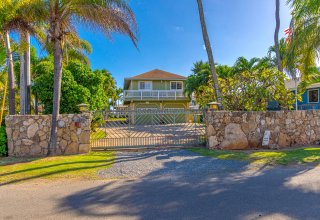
point(154, 95)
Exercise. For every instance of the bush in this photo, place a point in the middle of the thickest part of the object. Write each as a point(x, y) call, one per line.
point(72, 93)
point(97, 121)
point(3, 141)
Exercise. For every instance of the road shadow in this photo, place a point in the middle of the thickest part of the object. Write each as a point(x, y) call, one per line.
point(187, 193)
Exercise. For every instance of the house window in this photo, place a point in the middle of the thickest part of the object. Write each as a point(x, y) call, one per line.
point(176, 85)
point(145, 85)
point(313, 95)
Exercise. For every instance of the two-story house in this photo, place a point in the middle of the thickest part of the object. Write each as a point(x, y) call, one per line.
point(156, 89)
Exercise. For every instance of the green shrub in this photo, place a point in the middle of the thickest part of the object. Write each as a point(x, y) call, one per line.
point(97, 121)
point(3, 141)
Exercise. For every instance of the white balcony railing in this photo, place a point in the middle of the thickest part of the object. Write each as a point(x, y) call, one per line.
point(154, 94)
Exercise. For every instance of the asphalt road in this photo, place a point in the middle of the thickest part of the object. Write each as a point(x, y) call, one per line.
point(173, 184)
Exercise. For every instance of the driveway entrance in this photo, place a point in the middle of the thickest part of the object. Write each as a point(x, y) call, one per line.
point(149, 128)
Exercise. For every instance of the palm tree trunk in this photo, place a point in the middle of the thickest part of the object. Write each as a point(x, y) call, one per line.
point(56, 96)
point(25, 74)
point(36, 112)
point(209, 52)
point(11, 80)
point(28, 75)
point(296, 93)
point(276, 36)
point(22, 77)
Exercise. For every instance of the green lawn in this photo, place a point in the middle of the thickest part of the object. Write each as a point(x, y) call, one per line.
point(282, 157)
point(117, 119)
point(77, 166)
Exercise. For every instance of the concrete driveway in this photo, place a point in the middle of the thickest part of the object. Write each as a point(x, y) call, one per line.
point(171, 184)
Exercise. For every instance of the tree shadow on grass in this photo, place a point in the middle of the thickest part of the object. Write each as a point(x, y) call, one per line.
point(180, 191)
point(52, 173)
point(62, 170)
point(5, 161)
point(55, 166)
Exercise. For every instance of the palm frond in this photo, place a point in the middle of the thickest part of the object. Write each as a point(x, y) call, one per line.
point(303, 48)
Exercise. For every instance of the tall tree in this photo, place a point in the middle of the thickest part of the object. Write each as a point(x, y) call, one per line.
point(11, 78)
point(242, 64)
point(272, 54)
point(34, 24)
point(250, 87)
point(15, 15)
point(292, 73)
point(276, 36)
point(7, 14)
point(77, 49)
point(304, 44)
point(25, 73)
point(105, 15)
point(209, 52)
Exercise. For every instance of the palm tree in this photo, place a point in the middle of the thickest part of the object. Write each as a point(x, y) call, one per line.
point(105, 15)
point(209, 52)
point(11, 78)
point(14, 16)
point(292, 73)
point(78, 51)
point(24, 73)
point(303, 48)
point(282, 47)
point(201, 74)
point(242, 64)
point(33, 23)
point(7, 9)
point(276, 36)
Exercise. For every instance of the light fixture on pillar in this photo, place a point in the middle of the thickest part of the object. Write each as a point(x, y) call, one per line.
point(214, 106)
point(83, 107)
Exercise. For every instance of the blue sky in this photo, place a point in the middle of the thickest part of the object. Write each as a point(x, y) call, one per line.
point(170, 35)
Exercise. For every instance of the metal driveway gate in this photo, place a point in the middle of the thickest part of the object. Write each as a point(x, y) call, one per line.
point(147, 128)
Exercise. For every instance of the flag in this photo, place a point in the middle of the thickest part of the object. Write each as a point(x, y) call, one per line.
point(289, 34)
point(288, 31)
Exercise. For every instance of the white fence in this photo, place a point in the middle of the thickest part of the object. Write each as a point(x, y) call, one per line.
point(154, 94)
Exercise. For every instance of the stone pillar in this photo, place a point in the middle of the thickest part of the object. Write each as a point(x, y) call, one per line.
point(28, 135)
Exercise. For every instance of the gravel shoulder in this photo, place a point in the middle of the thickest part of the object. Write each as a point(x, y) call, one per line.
point(168, 162)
